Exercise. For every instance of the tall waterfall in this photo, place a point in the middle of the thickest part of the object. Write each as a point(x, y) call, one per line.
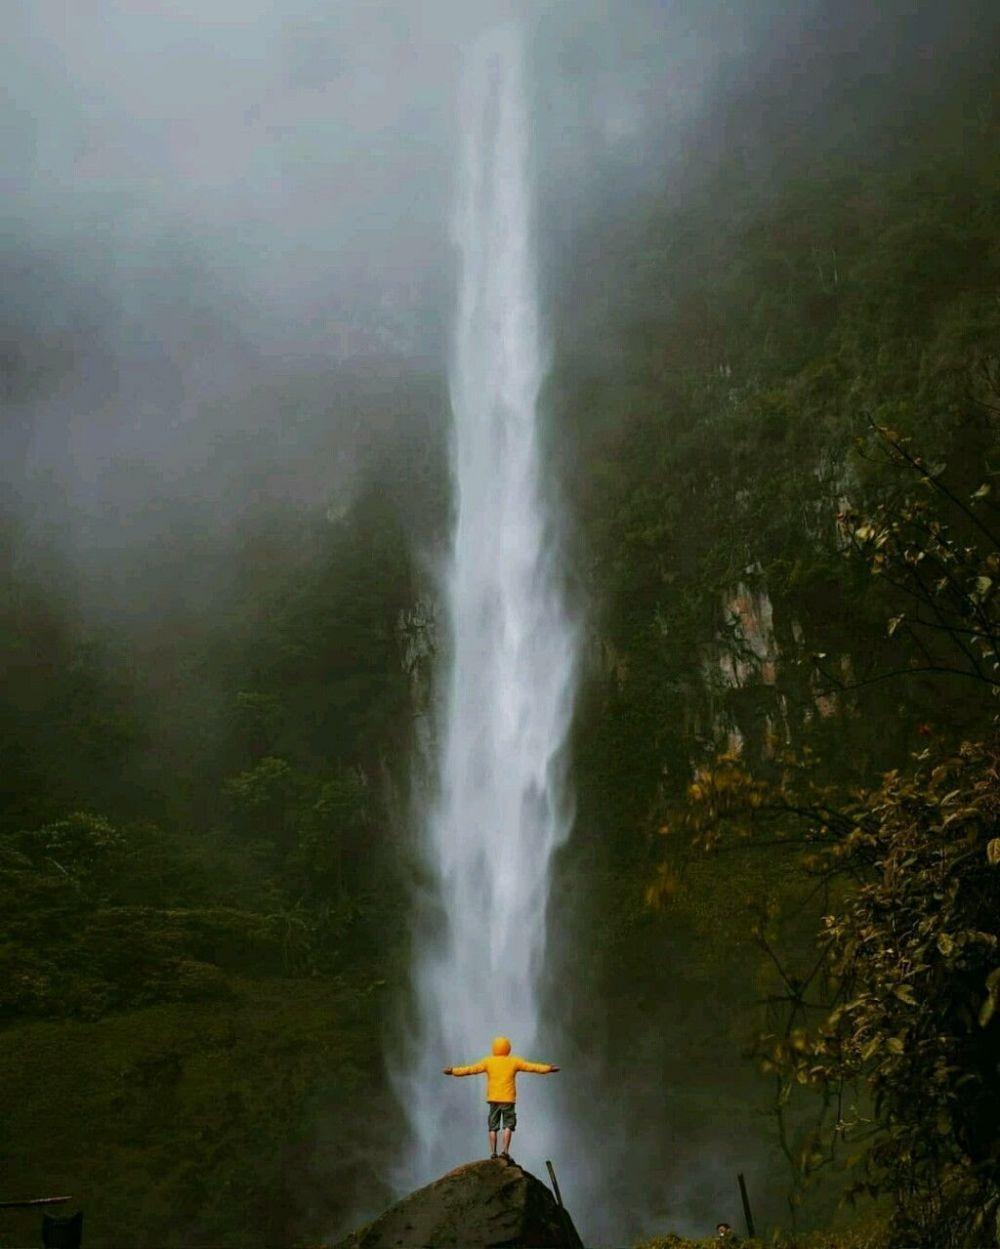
point(498, 813)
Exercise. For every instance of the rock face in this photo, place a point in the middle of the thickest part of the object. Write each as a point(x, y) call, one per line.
point(482, 1205)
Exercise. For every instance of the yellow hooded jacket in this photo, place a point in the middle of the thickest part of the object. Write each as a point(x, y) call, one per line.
point(501, 1069)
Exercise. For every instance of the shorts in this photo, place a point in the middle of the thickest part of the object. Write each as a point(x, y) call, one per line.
point(504, 1111)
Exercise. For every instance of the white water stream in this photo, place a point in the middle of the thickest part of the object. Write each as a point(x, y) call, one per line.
point(506, 694)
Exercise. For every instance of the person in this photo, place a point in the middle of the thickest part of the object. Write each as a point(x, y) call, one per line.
point(724, 1232)
point(501, 1068)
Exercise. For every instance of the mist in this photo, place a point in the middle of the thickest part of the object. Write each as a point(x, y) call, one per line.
point(204, 202)
point(207, 200)
point(228, 296)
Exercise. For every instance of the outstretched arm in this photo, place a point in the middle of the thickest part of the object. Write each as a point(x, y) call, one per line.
point(476, 1069)
point(538, 1069)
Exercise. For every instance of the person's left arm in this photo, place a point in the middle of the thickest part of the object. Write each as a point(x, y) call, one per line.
point(538, 1069)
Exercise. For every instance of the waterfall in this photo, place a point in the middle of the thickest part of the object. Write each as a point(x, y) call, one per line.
point(506, 687)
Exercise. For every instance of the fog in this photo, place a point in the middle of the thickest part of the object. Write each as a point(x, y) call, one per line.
point(202, 199)
point(228, 271)
point(229, 277)
point(206, 200)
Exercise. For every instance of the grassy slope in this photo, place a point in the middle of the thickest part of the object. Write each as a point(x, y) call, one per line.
point(190, 1124)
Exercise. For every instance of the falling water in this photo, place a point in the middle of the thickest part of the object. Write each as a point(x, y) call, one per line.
point(498, 814)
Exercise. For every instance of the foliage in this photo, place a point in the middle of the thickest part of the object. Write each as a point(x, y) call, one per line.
point(199, 895)
point(860, 1236)
point(914, 955)
point(907, 974)
point(945, 577)
point(69, 728)
point(723, 369)
point(230, 1123)
point(200, 873)
point(85, 928)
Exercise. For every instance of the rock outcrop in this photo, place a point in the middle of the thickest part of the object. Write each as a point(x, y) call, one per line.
point(482, 1205)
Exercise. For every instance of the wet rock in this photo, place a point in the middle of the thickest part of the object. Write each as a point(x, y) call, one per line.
point(489, 1204)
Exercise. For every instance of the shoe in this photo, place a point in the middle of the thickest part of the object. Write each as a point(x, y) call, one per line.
point(506, 1156)
point(493, 1157)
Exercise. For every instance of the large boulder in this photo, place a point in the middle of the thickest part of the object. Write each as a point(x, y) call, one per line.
point(490, 1204)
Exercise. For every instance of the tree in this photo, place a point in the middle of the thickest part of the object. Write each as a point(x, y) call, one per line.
point(895, 1022)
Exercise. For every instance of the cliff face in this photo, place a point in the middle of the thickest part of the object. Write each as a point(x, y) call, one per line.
point(488, 1204)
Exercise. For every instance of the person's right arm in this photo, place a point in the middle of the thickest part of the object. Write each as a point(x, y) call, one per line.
point(476, 1069)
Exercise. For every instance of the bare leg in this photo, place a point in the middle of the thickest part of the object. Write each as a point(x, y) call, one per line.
point(506, 1140)
point(493, 1144)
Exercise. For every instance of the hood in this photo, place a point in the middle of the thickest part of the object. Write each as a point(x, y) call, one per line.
point(501, 1046)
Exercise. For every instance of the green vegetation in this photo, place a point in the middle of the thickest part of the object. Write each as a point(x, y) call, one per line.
point(194, 1122)
point(785, 488)
point(198, 920)
point(782, 410)
point(857, 1238)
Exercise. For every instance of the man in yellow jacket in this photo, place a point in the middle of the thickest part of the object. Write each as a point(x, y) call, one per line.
point(501, 1069)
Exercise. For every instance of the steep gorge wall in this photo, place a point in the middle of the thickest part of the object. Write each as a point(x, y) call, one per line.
point(722, 419)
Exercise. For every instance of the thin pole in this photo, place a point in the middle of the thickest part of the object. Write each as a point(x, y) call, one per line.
point(37, 1201)
point(746, 1206)
point(555, 1184)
